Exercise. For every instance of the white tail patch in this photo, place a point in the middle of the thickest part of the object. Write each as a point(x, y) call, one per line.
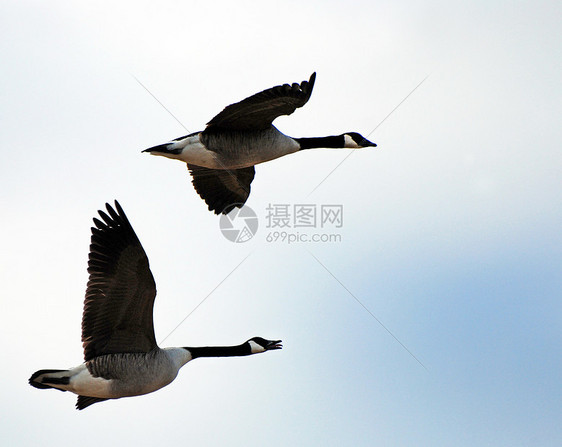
point(192, 151)
point(76, 380)
point(83, 383)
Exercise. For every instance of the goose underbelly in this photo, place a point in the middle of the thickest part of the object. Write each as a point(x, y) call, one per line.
point(121, 375)
point(241, 149)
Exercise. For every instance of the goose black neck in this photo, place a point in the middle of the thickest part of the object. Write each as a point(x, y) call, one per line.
point(333, 141)
point(220, 351)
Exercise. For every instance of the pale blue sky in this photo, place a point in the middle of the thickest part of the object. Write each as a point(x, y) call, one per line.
point(451, 235)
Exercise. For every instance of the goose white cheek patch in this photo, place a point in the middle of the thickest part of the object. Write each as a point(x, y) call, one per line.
point(255, 347)
point(350, 142)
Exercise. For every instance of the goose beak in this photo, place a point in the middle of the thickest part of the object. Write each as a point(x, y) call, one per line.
point(276, 344)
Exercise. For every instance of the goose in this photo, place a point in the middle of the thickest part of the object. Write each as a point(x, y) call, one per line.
point(222, 157)
point(121, 357)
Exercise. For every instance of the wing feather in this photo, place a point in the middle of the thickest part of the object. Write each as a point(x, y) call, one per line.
point(86, 401)
point(221, 189)
point(258, 111)
point(121, 290)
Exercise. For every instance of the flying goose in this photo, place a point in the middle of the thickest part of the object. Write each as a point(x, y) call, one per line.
point(121, 355)
point(221, 158)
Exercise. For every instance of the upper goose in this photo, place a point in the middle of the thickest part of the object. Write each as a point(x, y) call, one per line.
point(120, 351)
point(221, 158)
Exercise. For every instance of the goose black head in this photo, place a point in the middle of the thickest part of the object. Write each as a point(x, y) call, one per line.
point(353, 140)
point(258, 344)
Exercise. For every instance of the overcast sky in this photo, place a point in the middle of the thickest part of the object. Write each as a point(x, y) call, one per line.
point(436, 317)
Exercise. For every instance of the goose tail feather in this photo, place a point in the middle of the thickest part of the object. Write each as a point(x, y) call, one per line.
point(49, 378)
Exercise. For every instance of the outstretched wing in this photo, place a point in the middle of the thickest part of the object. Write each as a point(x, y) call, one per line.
point(121, 290)
point(222, 189)
point(258, 111)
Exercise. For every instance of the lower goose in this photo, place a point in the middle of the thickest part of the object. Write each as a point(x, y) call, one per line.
point(121, 356)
